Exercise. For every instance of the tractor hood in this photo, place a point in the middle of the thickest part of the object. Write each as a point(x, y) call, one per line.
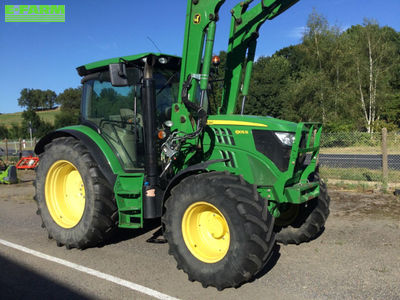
point(168, 61)
point(259, 122)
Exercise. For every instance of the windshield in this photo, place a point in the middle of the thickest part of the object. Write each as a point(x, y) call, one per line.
point(167, 88)
point(117, 111)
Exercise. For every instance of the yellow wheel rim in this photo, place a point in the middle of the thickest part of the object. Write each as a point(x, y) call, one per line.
point(205, 232)
point(65, 194)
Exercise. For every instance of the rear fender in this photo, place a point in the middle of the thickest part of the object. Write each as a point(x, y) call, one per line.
point(108, 170)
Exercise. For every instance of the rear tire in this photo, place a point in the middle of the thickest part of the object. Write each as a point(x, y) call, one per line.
point(74, 199)
point(308, 221)
point(218, 229)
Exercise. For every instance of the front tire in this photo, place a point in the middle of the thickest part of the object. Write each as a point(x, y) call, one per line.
point(74, 200)
point(305, 222)
point(218, 229)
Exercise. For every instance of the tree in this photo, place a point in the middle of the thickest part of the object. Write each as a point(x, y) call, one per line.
point(319, 41)
point(270, 76)
point(34, 99)
point(3, 132)
point(374, 55)
point(16, 131)
point(49, 99)
point(32, 120)
point(302, 97)
point(70, 101)
point(348, 80)
point(296, 56)
point(66, 118)
point(25, 99)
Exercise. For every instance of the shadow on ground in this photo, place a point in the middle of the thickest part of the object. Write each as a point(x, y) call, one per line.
point(123, 234)
point(271, 262)
point(19, 282)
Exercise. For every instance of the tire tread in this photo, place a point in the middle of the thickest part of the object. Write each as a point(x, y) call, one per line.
point(257, 223)
point(105, 212)
point(312, 226)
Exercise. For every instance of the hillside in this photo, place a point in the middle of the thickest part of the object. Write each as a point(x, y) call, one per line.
point(15, 118)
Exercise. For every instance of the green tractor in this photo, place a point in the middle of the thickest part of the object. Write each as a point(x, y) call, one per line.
point(226, 186)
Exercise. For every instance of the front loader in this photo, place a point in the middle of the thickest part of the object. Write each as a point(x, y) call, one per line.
point(226, 186)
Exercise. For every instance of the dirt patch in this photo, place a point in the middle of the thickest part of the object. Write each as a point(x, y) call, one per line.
point(22, 191)
point(372, 204)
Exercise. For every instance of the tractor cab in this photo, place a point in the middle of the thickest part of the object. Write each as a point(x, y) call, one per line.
point(116, 112)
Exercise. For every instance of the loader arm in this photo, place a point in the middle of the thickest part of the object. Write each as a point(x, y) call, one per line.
point(245, 25)
point(201, 19)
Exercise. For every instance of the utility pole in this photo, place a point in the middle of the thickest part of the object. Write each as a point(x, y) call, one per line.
point(30, 130)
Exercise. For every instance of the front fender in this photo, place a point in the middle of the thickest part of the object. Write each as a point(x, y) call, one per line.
point(194, 169)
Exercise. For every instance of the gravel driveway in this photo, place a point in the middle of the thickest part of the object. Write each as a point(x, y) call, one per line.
point(356, 257)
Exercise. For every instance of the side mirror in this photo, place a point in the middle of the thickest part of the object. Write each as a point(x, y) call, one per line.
point(118, 74)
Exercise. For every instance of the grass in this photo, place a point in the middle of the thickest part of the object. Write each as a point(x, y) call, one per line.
point(16, 118)
point(392, 149)
point(358, 174)
point(360, 187)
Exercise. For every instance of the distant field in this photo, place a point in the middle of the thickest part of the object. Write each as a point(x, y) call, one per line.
point(9, 119)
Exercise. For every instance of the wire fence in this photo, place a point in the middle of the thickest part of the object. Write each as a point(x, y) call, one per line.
point(10, 150)
point(361, 156)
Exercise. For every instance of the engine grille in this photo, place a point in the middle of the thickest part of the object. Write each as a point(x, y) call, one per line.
point(224, 136)
point(268, 144)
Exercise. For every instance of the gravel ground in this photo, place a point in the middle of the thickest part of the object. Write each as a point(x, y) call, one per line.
point(356, 257)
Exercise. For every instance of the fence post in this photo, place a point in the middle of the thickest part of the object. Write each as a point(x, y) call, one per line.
point(385, 169)
point(20, 148)
point(6, 141)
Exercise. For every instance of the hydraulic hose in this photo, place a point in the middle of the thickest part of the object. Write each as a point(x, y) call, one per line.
point(194, 108)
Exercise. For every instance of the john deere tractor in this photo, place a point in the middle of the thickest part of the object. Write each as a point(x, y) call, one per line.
point(226, 186)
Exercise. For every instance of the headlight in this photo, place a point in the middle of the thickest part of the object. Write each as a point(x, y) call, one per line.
point(287, 138)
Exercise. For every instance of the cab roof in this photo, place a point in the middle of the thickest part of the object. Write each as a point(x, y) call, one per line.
point(173, 62)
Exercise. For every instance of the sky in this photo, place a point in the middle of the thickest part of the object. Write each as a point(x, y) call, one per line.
point(45, 55)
